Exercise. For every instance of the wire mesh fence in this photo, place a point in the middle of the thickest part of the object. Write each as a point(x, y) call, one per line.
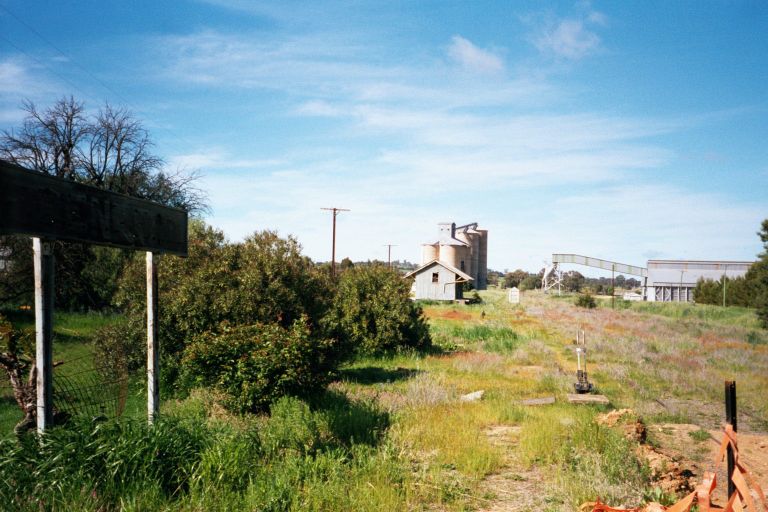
point(82, 386)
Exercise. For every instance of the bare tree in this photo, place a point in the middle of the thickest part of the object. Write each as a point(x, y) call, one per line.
point(109, 149)
point(48, 141)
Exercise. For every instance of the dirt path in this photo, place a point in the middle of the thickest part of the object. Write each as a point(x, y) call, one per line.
point(514, 488)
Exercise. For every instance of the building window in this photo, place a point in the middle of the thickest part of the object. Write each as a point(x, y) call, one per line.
point(461, 267)
point(435, 277)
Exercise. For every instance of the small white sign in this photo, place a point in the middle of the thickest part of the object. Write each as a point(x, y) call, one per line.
point(514, 295)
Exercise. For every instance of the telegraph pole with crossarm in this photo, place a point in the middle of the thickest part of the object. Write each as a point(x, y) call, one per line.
point(333, 249)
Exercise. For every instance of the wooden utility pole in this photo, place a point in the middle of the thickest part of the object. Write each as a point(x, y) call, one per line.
point(333, 244)
point(153, 349)
point(389, 254)
point(43, 262)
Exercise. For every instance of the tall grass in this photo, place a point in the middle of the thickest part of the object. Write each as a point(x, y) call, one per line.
point(585, 459)
point(729, 315)
point(325, 456)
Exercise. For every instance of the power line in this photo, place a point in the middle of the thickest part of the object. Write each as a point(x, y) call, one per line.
point(333, 245)
point(177, 137)
point(69, 58)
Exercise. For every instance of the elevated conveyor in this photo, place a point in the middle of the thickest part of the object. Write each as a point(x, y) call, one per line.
point(621, 268)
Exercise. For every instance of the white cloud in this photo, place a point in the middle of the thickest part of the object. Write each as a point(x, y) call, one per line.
point(219, 159)
point(19, 81)
point(471, 57)
point(319, 108)
point(597, 17)
point(569, 39)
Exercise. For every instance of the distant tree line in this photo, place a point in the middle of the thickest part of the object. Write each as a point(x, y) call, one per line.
point(573, 281)
point(750, 290)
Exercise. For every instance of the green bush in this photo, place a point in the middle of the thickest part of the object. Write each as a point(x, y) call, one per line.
point(373, 312)
point(532, 282)
point(586, 301)
point(256, 364)
point(263, 280)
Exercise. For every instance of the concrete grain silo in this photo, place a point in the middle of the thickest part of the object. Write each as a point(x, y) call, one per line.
point(482, 274)
point(454, 254)
point(474, 251)
point(466, 237)
point(430, 252)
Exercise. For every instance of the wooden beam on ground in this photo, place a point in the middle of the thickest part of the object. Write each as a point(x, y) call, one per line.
point(588, 399)
point(153, 348)
point(547, 400)
point(43, 263)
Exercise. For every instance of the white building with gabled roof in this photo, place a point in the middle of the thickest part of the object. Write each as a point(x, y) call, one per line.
point(437, 280)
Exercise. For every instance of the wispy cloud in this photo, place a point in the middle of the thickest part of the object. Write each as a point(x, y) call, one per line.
point(20, 80)
point(218, 158)
point(471, 57)
point(571, 38)
point(319, 108)
point(331, 69)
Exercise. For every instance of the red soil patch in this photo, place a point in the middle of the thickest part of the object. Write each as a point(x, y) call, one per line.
point(448, 315)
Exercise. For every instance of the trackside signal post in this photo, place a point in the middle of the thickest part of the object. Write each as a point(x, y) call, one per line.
point(50, 209)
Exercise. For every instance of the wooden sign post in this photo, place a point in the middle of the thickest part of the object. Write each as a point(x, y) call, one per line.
point(50, 209)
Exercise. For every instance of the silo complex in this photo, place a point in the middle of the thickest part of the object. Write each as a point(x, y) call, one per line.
point(429, 252)
point(464, 248)
point(482, 275)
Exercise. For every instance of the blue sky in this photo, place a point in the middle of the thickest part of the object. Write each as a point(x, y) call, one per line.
point(620, 130)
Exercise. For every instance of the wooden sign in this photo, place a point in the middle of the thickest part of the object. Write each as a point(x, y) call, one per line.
point(42, 206)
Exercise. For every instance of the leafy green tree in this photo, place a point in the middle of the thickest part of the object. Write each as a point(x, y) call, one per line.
point(345, 264)
point(573, 281)
point(373, 312)
point(758, 276)
point(512, 279)
point(532, 282)
point(708, 292)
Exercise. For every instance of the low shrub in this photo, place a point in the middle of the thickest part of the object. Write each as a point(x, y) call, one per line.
point(263, 280)
point(586, 301)
point(255, 365)
point(373, 312)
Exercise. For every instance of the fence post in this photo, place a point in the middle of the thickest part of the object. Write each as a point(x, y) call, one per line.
point(153, 349)
point(44, 279)
point(730, 417)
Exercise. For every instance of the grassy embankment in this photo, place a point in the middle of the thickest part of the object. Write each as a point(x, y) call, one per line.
point(392, 434)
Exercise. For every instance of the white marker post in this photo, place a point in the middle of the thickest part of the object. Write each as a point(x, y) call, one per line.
point(153, 349)
point(43, 262)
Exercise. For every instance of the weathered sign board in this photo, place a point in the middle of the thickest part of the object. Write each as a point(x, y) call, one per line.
point(48, 209)
point(42, 206)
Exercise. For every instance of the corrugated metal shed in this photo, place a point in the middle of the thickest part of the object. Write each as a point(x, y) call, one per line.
point(688, 272)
